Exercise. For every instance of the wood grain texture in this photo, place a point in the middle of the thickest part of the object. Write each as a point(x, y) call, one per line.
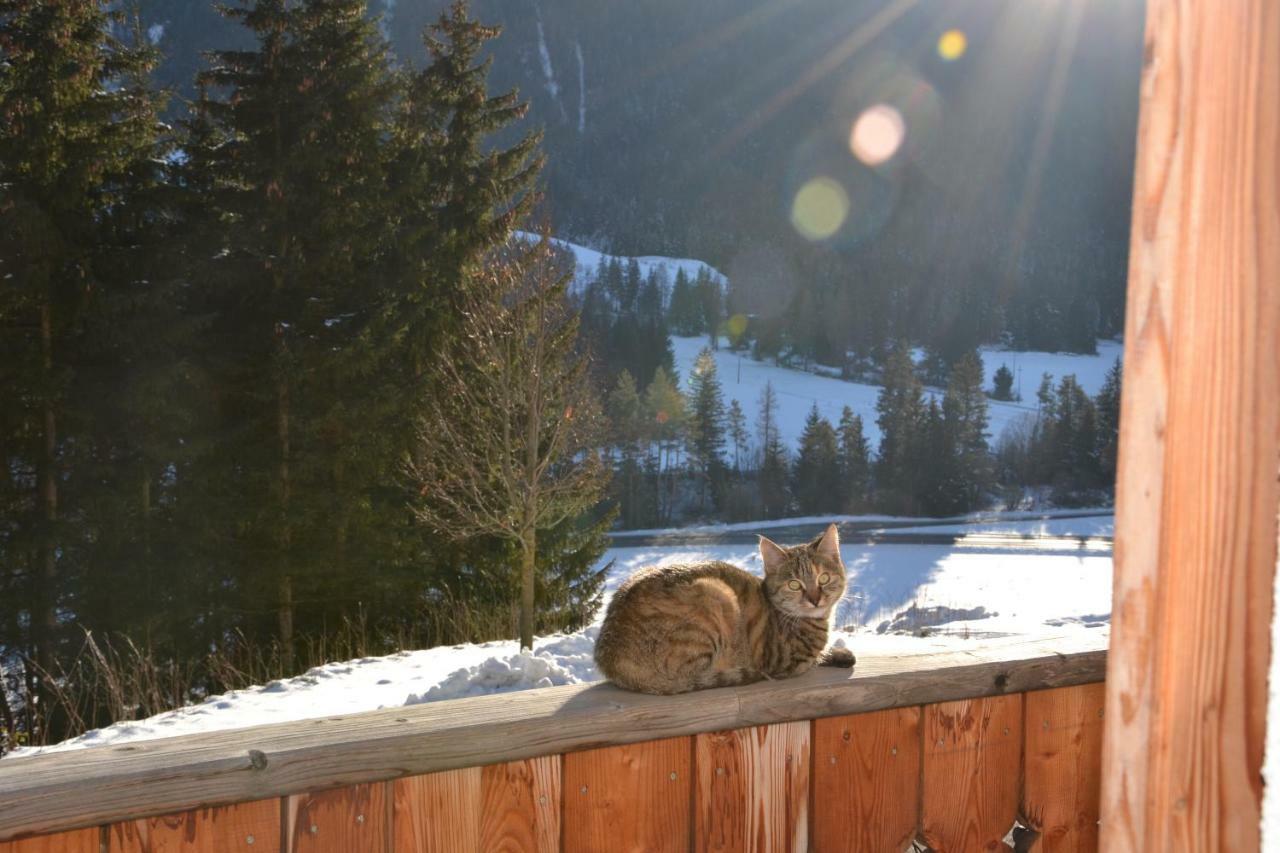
point(635, 798)
point(109, 784)
point(244, 828)
point(79, 841)
point(972, 769)
point(521, 803)
point(866, 782)
point(1200, 437)
point(438, 812)
point(338, 821)
point(1063, 755)
point(752, 789)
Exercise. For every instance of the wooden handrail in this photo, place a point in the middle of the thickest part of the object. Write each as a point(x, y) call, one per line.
point(100, 785)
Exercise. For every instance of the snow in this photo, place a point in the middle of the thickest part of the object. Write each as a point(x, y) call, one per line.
point(1050, 591)
point(155, 32)
point(743, 379)
point(587, 262)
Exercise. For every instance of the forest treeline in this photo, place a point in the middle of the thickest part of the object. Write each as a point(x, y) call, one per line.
point(680, 454)
point(219, 340)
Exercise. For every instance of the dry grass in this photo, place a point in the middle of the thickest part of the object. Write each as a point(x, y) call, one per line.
point(112, 678)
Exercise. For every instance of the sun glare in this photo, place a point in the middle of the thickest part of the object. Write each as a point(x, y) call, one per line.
point(877, 134)
point(819, 209)
point(952, 45)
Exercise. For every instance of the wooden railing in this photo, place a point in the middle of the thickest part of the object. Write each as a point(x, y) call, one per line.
point(948, 749)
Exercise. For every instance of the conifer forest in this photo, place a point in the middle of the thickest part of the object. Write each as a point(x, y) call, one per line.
point(292, 368)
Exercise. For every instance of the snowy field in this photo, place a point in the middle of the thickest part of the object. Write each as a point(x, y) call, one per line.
point(587, 263)
point(932, 597)
point(742, 379)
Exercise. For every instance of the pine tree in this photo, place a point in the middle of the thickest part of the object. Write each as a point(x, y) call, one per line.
point(685, 313)
point(1108, 406)
point(772, 481)
point(77, 137)
point(901, 409)
point(625, 413)
point(1002, 384)
point(737, 420)
point(964, 409)
point(710, 300)
point(706, 423)
point(854, 463)
point(666, 416)
point(299, 190)
point(815, 477)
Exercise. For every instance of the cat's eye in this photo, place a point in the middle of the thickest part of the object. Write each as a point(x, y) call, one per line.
point(794, 584)
point(823, 578)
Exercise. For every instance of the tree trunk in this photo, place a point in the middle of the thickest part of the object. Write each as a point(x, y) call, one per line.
point(47, 487)
point(528, 554)
point(284, 597)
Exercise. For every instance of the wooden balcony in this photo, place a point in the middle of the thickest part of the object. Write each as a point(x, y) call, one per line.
point(950, 750)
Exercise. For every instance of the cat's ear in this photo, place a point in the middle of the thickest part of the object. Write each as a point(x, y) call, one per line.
point(828, 544)
point(772, 555)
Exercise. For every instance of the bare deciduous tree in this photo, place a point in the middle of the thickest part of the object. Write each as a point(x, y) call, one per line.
point(509, 447)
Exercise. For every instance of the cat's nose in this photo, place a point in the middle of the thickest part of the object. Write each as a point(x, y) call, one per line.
point(815, 597)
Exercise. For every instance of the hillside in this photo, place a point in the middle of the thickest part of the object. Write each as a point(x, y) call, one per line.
point(688, 129)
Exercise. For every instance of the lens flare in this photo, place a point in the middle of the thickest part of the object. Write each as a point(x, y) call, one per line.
point(737, 325)
point(819, 209)
point(877, 134)
point(952, 45)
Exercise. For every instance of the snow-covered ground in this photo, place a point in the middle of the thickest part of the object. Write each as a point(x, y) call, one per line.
point(951, 595)
point(587, 263)
point(742, 379)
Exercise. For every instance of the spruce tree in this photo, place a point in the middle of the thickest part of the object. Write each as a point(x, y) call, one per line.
point(711, 302)
point(772, 479)
point(964, 409)
point(901, 410)
point(1002, 384)
point(1108, 405)
point(299, 189)
point(706, 423)
point(685, 312)
point(854, 463)
point(77, 133)
point(815, 477)
point(737, 423)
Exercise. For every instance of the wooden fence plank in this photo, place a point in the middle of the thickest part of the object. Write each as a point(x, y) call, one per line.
point(79, 841)
point(636, 798)
point(109, 784)
point(972, 767)
point(1063, 753)
point(438, 812)
point(338, 821)
point(752, 789)
point(866, 781)
point(1196, 499)
point(521, 806)
point(502, 807)
point(243, 828)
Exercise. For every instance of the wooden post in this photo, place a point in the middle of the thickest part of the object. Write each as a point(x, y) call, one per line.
point(1195, 548)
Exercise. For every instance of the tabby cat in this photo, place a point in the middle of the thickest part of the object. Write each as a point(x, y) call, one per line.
point(673, 629)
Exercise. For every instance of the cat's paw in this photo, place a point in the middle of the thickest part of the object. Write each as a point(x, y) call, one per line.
point(838, 657)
